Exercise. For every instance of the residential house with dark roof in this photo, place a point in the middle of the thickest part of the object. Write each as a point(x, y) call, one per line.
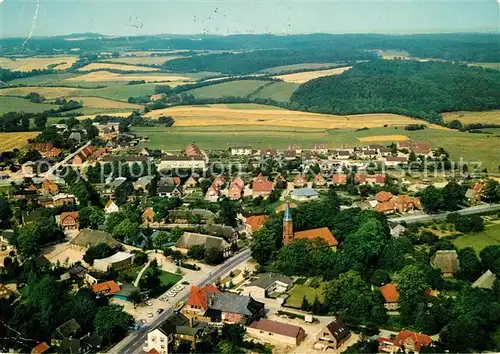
point(289, 155)
point(268, 152)
point(446, 261)
point(88, 237)
point(167, 187)
point(275, 332)
point(190, 239)
point(320, 148)
point(268, 285)
point(333, 334)
point(170, 162)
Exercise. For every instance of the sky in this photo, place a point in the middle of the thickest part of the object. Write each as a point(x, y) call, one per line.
point(139, 17)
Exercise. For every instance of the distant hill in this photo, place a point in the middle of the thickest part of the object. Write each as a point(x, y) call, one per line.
point(418, 89)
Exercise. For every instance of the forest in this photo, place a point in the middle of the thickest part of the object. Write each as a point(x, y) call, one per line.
point(417, 89)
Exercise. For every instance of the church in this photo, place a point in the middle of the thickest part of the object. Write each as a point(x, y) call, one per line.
point(289, 235)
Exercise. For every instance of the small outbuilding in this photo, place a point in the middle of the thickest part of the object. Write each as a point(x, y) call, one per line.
point(276, 332)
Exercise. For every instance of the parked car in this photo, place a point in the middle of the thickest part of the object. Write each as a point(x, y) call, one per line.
point(150, 314)
point(143, 321)
point(159, 311)
point(149, 303)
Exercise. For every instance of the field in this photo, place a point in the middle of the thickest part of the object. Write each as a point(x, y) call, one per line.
point(470, 147)
point(293, 67)
point(110, 66)
point(9, 141)
point(299, 291)
point(142, 60)
point(382, 138)
point(478, 241)
point(49, 79)
point(121, 93)
point(214, 115)
point(17, 104)
point(28, 64)
point(47, 92)
point(169, 278)
point(495, 66)
point(241, 88)
point(300, 78)
point(90, 114)
point(278, 91)
point(106, 76)
point(98, 102)
point(473, 117)
point(391, 54)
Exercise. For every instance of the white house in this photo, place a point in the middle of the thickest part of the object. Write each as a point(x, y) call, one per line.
point(111, 207)
point(241, 150)
point(266, 285)
point(116, 261)
point(184, 162)
point(159, 339)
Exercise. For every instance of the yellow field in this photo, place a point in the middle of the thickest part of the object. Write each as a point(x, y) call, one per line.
point(123, 67)
point(473, 117)
point(213, 115)
point(99, 76)
point(143, 60)
point(381, 138)
point(47, 92)
point(111, 114)
point(9, 141)
point(392, 54)
point(300, 78)
point(145, 53)
point(98, 102)
point(28, 64)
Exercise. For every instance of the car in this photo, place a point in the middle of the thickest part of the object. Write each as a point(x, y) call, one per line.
point(185, 282)
point(159, 311)
point(150, 314)
point(143, 321)
point(149, 303)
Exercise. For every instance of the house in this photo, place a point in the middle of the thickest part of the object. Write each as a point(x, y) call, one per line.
point(87, 238)
point(68, 220)
point(393, 161)
point(235, 191)
point(304, 194)
point(254, 223)
point(319, 180)
point(322, 233)
point(267, 285)
point(385, 207)
point(333, 334)
point(29, 168)
point(261, 187)
point(190, 239)
point(54, 152)
point(169, 162)
point(241, 151)
point(369, 154)
point(289, 155)
point(383, 196)
point(391, 296)
point(279, 179)
point(40, 348)
point(168, 187)
point(446, 261)
point(404, 203)
point(475, 193)
point(192, 150)
point(385, 151)
point(408, 341)
point(362, 178)
point(75, 136)
point(111, 207)
point(78, 159)
point(49, 188)
point(41, 147)
point(116, 261)
point(156, 97)
point(177, 328)
point(342, 154)
point(106, 288)
point(299, 181)
point(320, 148)
point(339, 179)
point(148, 216)
point(219, 181)
point(417, 147)
point(143, 183)
point(77, 272)
point(268, 152)
point(128, 159)
point(197, 216)
point(295, 147)
point(396, 230)
point(276, 332)
point(63, 199)
point(213, 193)
point(485, 281)
point(190, 183)
point(5, 292)
point(209, 304)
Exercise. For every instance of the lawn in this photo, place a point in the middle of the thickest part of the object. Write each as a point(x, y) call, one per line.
point(299, 291)
point(478, 241)
point(473, 117)
point(17, 104)
point(278, 91)
point(168, 278)
point(241, 88)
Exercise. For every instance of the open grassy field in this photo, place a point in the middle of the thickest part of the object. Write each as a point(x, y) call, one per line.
point(49, 79)
point(17, 104)
point(278, 91)
point(292, 67)
point(91, 113)
point(382, 138)
point(213, 115)
point(142, 60)
point(47, 92)
point(111, 66)
point(106, 76)
point(98, 102)
point(9, 141)
point(120, 93)
point(299, 291)
point(473, 117)
point(241, 88)
point(300, 78)
point(167, 278)
point(470, 147)
point(391, 54)
point(33, 63)
point(479, 240)
point(495, 66)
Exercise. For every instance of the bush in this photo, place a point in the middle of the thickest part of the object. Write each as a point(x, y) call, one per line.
point(190, 266)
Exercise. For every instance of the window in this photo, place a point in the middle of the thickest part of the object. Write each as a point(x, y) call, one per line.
point(162, 339)
point(162, 346)
point(153, 339)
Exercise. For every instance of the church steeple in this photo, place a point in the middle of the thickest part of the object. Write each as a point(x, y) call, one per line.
point(287, 224)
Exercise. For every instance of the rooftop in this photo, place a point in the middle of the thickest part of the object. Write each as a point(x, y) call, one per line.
point(280, 328)
point(323, 233)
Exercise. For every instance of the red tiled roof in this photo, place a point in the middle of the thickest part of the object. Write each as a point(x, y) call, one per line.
point(177, 180)
point(256, 222)
point(40, 348)
point(108, 286)
point(379, 179)
point(299, 179)
point(339, 179)
point(261, 185)
point(70, 214)
point(109, 203)
point(153, 351)
point(192, 150)
point(89, 150)
point(383, 196)
point(198, 295)
point(149, 213)
point(360, 177)
point(238, 181)
point(384, 206)
point(323, 233)
point(280, 328)
point(418, 339)
point(390, 292)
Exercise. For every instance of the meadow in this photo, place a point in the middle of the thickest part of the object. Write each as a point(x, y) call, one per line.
point(473, 117)
point(479, 240)
point(300, 78)
point(278, 91)
point(106, 76)
point(303, 66)
point(47, 92)
point(241, 88)
point(98, 102)
point(120, 93)
point(34, 63)
point(113, 66)
point(17, 104)
point(9, 141)
point(142, 60)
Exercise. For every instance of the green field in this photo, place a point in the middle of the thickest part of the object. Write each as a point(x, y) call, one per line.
point(39, 80)
point(299, 291)
point(479, 240)
point(249, 106)
point(167, 278)
point(17, 104)
point(241, 88)
point(278, 91)
point(303, 66)
point(472, 147)
point(120, 93)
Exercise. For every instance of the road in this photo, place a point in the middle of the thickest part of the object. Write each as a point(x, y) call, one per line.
point(467, 211)
point(135, 341)
point(50, 173)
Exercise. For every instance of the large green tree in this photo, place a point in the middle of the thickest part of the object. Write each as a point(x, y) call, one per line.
point(110, 320)
point(91, 217)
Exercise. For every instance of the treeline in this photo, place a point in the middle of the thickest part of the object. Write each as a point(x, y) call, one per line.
point(8, 75)
point(251, 62)
point(417, 89)
point(20, 122)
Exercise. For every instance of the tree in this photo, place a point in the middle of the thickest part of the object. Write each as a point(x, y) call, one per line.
point(394, 254)
point(213, 256)
point(470, 267)
point(473, 223)
point(233, 333)
point(265, 244)
point(135, 297)
point(380, 277)
point(28, 240)
point(99, 251)
point(227, 213)
point(431, 199)
point(40, 122)
point(110, 320)
point(453, 195)
point(490, 258)
point(304, 306)
point(412, 284)
point(491, 192)
point(127, 231)
point(91, 217)
point(197, 252)
point(5, 213)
